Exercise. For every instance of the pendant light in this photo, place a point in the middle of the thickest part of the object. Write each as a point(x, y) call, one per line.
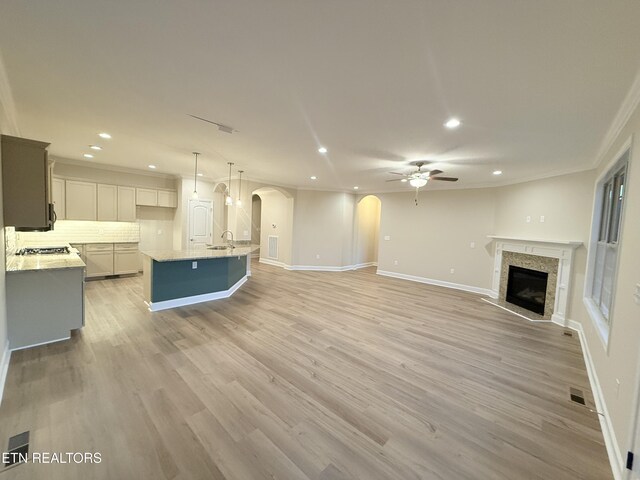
point(195, 178)
point(239, 200)
point(229, 201)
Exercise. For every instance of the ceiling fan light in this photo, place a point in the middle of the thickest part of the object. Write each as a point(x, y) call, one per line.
point(418, 182)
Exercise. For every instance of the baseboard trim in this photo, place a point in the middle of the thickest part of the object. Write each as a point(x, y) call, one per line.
point(4, 368)
point(317, 268)
point(611, 444)
point(268, 261)
point(205, 297)
point(439, 283)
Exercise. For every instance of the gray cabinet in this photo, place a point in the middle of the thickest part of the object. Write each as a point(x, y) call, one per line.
point(43, 306)
point(107, 203)
point(25, 184)
point(126, 204)
point(126, 258)
point(167, 198)
point(147, 197)
point(99, 259)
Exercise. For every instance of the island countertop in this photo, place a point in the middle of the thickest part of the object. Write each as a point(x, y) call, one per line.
point(177, 255)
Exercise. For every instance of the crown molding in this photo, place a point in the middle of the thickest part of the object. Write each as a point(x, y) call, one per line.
point(109, 167)
point(628, 106)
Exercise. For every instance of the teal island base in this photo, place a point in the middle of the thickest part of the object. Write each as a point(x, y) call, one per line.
point(170, 280)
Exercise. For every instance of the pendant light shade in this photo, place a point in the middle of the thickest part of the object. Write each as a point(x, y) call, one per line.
point(239, 200)
point(228, 200)
point(195, 177)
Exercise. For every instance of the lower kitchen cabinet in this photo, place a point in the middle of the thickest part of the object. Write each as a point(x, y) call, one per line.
point(99, 259)
point(43, 306)
point(126, 258)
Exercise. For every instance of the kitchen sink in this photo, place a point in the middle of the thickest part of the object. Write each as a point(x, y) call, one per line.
point(220, 247)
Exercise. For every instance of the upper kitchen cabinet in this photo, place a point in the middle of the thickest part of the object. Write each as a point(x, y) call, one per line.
point(25, 184)
point(58, 197)
point(126, 204)
point(81, 200)
point(167, 198)
point(107, 203)
point(147, 197)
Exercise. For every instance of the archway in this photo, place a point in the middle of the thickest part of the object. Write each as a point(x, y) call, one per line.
point(220, 212)
point(276, 224)
point(256, 220)
point(367, 236)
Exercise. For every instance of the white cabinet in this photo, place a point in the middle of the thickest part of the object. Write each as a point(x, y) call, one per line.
point(107, 203)
point(99, 259)
point(58, 197)
point(126, 204)
point(126, 258)
point(81, 200)
point(147, 197)
point(167, 198)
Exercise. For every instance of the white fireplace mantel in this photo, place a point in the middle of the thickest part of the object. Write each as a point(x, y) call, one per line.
point(562, 250)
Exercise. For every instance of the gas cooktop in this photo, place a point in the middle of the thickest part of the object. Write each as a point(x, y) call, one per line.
point(43, 250)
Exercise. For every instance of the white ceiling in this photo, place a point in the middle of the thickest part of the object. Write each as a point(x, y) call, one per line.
point(535, 83)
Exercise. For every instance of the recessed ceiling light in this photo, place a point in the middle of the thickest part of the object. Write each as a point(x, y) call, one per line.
point(104, 135)
point(88, 155)
point(322, 150)
point(313, 177)
point(95, 147)
point(452, 123)
point(152, 167)
point(201, 174)
point(404, 180)
point(497, 172)
point(355, 188)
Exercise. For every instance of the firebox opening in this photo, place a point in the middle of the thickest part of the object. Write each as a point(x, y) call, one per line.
point(527, 288)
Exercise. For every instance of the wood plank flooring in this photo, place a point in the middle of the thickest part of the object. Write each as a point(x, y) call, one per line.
point(306, 375)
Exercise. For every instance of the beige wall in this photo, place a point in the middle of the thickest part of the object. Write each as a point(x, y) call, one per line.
point(430, 239)
point(323, 228)
point(367, 230)
point(620, 360)
point(277, 219)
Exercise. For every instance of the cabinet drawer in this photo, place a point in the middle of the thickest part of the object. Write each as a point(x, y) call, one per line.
point(126, 247)
point(99, 247)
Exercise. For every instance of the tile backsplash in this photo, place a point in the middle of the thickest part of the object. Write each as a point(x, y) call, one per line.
point(75, 231)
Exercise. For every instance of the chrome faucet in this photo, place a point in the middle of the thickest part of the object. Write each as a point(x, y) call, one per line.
point(231, 245)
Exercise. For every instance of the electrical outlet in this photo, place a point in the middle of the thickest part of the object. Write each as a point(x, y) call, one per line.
point(387, 237)
point(194, 265)
point(617, 388)
point(541, 218)
point(317, 256)
point(472, 244)
point(636, 295)
point(528, 218)
point(453, 270)
point(395, 262)
point(159, 232)
point(101, 231)
point(246, 233)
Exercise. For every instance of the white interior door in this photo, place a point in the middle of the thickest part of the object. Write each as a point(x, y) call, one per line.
point(200, 225)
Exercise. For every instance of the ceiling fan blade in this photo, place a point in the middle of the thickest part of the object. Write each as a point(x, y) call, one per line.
point(445, 179)
point(395, 180)
point(434, 172)
point(396, 173)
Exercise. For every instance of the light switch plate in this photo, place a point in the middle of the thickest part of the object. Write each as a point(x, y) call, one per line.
point(541, 218)
point(528, 218)
point(472, 244)
point(194, 265)
point(636, 295)
point(387, 237)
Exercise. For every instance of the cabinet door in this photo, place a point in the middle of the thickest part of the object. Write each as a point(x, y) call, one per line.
point(58, 197)
point(81, 200)
point(126, 204)
point(126, 262)
point(25, 183)
point(107, 203)
point(147, 197)
point(167, 198)
point(99, 264)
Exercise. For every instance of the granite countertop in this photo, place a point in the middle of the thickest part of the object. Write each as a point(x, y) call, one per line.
point(23, 263)
point(176, 255)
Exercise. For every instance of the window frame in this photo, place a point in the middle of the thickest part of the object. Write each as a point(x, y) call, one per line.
point(618, 167)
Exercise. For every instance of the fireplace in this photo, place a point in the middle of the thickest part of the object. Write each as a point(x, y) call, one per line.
point(527, 288)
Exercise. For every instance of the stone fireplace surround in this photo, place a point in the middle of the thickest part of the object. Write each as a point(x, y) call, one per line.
point(553, 257)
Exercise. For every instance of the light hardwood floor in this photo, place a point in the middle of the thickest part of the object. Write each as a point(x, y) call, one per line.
point(300, 375)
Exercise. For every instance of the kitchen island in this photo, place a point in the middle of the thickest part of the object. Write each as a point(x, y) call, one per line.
point(173, 278)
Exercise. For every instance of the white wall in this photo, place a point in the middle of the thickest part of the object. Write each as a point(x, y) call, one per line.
point(277, 219)
point(621, 359)
point(430, 239)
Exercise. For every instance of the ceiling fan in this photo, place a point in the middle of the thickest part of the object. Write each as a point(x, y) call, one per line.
point(419, 178)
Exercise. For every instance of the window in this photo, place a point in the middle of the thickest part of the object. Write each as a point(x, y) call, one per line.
point(608, 211)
